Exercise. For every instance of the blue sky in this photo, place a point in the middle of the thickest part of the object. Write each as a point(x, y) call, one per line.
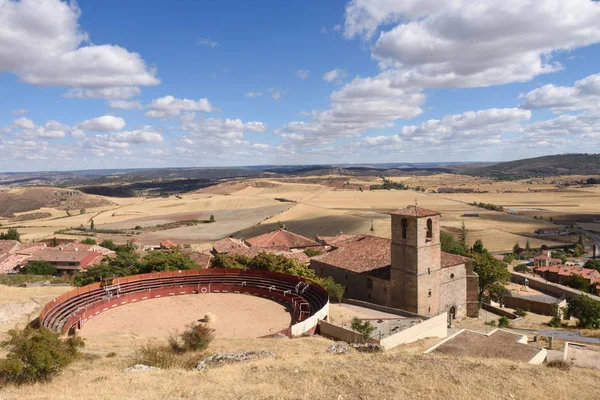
point(123, 84)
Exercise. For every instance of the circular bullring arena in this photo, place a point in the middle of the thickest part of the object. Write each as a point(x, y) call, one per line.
point(239, 303)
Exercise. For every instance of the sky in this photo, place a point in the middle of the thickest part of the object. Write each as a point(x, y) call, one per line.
point(98, 84)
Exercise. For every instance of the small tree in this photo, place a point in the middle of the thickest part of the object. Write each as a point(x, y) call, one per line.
point(108, 244)
point(578, 282)
point(88, 241)
point(334, 290)
point(527, 246)
point(586, 310)
point(82, 211)
point(503, 322)
point(508, 258)
point(11, 234)
point(478, 247)
point(92, 224)
point(212, 218)
point(365, 328)
point(498, 292)
point(462, 237)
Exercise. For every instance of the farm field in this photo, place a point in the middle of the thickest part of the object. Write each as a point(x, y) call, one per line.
point(310, 206)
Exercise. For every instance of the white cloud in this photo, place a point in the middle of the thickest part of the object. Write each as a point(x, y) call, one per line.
point(277, 93)
point(470, 43)
point(171, 106)
point(334, 74)
point(114, 93)
point(253, 94)
point(20, 111)
point(360, 105)
point(147, 134)
point(125, 105)
point(23, 123)
point(106, 123)
point(303, 73)
point(41, 42)
point(208, 42)
point(584, 95)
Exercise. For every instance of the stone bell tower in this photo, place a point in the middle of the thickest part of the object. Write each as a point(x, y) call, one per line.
point(416, 260)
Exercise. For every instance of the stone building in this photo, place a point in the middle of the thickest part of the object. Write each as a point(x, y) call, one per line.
point(409, 271)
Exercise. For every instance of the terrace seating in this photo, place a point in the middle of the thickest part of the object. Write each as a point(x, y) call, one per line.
point(71, 310)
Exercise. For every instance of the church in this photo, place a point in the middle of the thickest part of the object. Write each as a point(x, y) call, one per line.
point(408, 272)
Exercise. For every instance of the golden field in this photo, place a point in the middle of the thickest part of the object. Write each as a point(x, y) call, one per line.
point(248, 207)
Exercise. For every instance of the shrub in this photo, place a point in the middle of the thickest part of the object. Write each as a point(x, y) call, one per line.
point(520, 313)
point(491, 323)
point(197, 337)
point(365, 328)
point(560, 364)
point(312, 252)
point(36, 355)
point(334, 290)
point(212, 218)
point(555, 322)
point(88, 241)
point(586, 310)
point(155, 355)
point(39, 268)
point(522, 268)
point(111, 354)
point(503, 322)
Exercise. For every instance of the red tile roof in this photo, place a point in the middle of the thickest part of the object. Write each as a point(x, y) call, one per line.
point(363, 254)
point(451, 260)
point(414, 211)
point(334, 240)
point(168, 244)
point(282, 239)
point(83, 258)
point(252, 252)
point(224, 246)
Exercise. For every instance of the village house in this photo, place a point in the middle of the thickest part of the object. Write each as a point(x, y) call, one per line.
point(409, 272)
point(282, 239)
point(68, 261)
point(560, 273)
point(227, 244)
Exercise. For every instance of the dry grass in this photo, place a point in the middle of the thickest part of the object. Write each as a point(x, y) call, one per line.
point(302, 370)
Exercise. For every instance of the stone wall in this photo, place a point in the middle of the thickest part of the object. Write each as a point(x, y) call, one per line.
point(357, 285)
point(453, 290)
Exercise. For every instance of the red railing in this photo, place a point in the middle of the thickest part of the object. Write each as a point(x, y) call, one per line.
point(85, 302)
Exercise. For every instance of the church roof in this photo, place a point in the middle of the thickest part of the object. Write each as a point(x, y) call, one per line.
point(364, 253)
point(415, 211)
point(451, 260)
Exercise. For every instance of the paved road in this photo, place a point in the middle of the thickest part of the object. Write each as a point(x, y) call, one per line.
point(561, 335)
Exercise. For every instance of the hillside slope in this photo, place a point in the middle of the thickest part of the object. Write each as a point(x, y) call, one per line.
point(561, 164)
point(33, 198)
point(302, 370)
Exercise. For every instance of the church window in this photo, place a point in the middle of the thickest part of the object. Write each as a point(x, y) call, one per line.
point(451, 276)
point(429, 293)
point(404, 227)
point(429, 228)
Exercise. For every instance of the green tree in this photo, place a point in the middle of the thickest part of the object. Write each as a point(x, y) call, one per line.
point(39, 268)
point(92, 224)
point(82, 211)
point(11, 234)
point(88, 241)
point(462, 237)
point(508, 258)
point(517, 249)
point(498, 292)
point(479, 248)
point(527, 246)
point(98, 272)
point(580, 240)
point(586, 310)
point(489, 270)
point(312, 252)
point(592, 264)
point(577, 282)
point(36, 355)
point(167, 261)
point(224, 261)
point(212, 218)
point(365, 328)
point(578, 250)
point(334, 289)
point(449, 245)
point(108, 244)
point(54, 242)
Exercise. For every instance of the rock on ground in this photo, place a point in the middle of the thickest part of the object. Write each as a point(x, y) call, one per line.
point(141, 367)
point(228, 358)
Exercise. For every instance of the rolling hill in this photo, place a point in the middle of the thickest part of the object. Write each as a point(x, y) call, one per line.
point(561, 164)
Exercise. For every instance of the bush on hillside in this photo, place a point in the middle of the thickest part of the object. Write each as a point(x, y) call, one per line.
point(365, 328)
point(503, 322)
point(36, 355)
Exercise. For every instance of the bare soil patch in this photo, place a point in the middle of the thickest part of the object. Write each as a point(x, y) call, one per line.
point(236, 316)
